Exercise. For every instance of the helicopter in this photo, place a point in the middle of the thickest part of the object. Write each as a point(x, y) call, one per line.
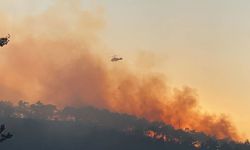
point(4, 40)
point(115, 58)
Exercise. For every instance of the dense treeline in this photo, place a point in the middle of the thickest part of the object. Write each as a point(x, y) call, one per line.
point(43, 126)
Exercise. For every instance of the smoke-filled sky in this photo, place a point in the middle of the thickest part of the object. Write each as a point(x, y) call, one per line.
point(60, 50)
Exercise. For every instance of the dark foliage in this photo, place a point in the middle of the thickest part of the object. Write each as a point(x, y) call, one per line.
point(3, 134)
point(39, 126)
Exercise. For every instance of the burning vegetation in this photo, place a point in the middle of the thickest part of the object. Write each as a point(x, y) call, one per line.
point(91, 128)
point(59, 60)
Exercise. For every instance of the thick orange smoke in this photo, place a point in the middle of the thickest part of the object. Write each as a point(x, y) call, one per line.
point(56, 57)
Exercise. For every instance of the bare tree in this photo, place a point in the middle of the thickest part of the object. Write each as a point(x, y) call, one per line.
point(4, 135)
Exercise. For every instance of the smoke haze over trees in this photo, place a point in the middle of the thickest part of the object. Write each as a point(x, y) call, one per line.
point(43, 126)
point(83, 76)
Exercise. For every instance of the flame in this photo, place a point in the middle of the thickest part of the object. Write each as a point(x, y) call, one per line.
point(57, 57)
point(158, 136)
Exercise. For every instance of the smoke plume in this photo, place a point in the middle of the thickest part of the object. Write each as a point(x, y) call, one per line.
point(57, 57)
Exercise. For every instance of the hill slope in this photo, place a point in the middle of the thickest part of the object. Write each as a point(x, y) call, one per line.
point(39, 126)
